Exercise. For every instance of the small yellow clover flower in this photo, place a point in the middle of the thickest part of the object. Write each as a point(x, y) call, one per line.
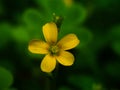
point(55, 51)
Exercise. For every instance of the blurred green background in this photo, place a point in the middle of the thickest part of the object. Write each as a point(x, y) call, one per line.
point(95, 22)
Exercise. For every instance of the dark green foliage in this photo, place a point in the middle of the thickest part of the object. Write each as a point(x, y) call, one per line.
point(97, 57)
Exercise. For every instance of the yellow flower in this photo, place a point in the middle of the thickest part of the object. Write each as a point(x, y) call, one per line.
point(55, 51)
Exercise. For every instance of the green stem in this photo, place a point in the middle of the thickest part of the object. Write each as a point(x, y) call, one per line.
point(50, 83)
point(51, 80)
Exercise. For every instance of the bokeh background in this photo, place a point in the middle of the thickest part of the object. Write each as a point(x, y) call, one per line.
point(95, 22)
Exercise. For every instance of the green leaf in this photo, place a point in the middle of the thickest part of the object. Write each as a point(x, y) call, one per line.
point(6, 63)
point(84, 82)
point(64, 88)
point(57, 7)
point(20, 34)
point(75, 15)
point(4, 34)
point(35, 56)
point(1, 7)
point(98, 86)
point(34, 18)
point(52, 6)
point(114, 34)
point(113, 69)
point(106, 4)
point(85, 35)
point(9, 89)
point(6, 78)
point(85, 58)
point(43, 4)
point(116, 47)
point(114, 37)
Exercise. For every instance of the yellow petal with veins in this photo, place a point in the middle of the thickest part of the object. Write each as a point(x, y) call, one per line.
point(50, 32)
point(48, 63)
point(68, 42)
point(65, 58)
point(38, 47)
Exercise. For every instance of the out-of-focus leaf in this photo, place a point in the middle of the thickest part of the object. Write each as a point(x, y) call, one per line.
point(113, 69)
point(85, 58)
point(4, 34)
point(34, 18)
point(20, 34)
point(114, 34)
point(43, 4)
point(57, 6)
point(98, 87)
point(116, 47)
point(85, 35)
point(82, 82)
point(35, 56)
point(106, 3)
point(52, 6)
point(9, 89)
point(1, 7)
point(6, 78)
point(68, 3)
point(31, 85)
point(8, 64)
point(75, 15)
point(64, 88)
point(36, 72)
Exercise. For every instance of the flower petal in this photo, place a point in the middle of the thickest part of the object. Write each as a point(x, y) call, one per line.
point(38, 47)
point(68, 42)
point(50, 32)
point(65, 58)
point(48, 63)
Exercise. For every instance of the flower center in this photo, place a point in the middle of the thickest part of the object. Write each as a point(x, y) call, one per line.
point(54, 49)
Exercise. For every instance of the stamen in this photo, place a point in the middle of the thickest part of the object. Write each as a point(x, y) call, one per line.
point(54, 50)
